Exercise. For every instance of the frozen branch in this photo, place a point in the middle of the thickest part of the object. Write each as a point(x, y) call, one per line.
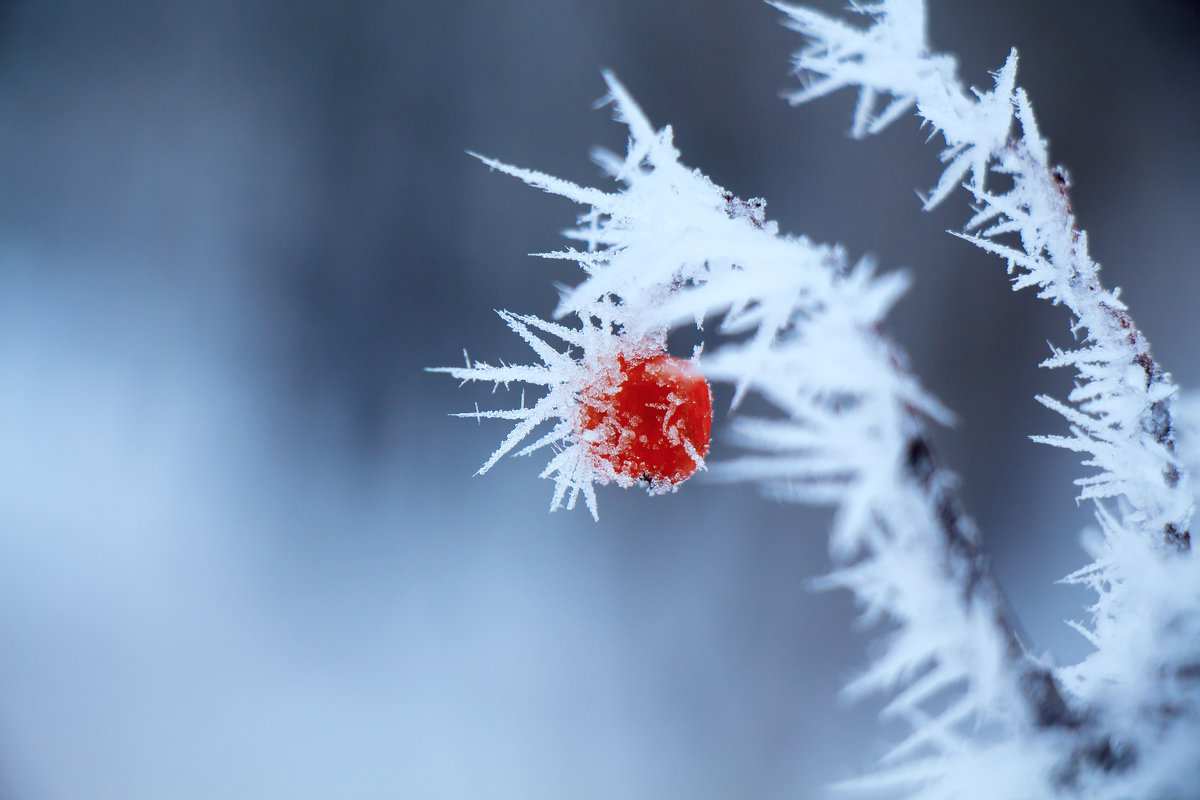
point(1121, 414)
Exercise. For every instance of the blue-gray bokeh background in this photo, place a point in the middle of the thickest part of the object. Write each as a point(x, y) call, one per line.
point(241, 551)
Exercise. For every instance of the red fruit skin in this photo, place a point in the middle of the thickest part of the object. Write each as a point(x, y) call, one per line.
point(640, 416)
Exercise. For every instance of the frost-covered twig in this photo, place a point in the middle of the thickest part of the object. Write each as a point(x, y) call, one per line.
point(1121, 416)
point(1142, 684)
point(962, 679)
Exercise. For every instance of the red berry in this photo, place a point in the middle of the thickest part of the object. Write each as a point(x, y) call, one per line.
point(649, 419)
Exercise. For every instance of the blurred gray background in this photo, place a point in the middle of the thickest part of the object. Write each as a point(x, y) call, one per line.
point(241, 551)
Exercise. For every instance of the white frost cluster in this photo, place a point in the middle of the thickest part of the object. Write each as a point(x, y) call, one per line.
point(672, 248)
point(1138, 694)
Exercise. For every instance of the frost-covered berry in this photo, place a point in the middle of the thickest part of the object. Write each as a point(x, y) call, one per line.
point(647, 419)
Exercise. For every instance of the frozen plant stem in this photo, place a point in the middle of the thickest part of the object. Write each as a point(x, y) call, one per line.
point(1121, 418)
point(968, 564)
point(1141, 686)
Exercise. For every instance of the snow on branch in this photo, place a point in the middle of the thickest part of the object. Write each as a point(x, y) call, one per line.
point(1142, 683)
